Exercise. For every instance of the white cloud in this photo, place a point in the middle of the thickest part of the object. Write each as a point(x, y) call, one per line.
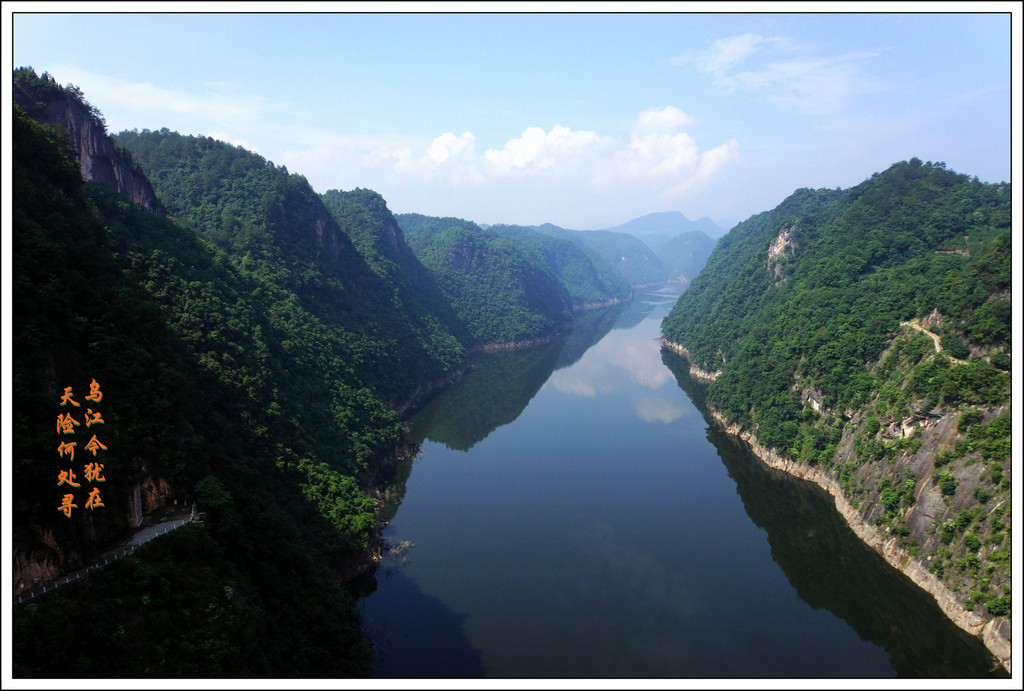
point(659, 410)
point(219, 106)
point(448, 146)
point(537, 149)
point(544, 172)
point(789, 75)
point(658, 156)
point(661, 120)
point(659, 152)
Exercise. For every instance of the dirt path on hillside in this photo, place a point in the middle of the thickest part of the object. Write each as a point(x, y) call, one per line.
point(935, 339)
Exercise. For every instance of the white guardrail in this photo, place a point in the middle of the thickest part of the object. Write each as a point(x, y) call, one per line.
point(29, 595)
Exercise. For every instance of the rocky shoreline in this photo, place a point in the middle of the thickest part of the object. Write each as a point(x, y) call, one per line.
point(994, 633)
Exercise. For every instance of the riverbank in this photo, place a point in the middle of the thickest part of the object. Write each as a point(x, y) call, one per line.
point(994, 633)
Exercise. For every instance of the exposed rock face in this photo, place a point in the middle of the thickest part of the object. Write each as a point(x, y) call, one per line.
point(41, 564)
point(994, 633)
point(780, 249)
point(697, 373)
point(156, 494)
point(98, 158)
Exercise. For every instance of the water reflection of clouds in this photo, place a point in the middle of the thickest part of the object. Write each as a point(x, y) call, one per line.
point(655, 409)
point(622, 350)
point(623, 359)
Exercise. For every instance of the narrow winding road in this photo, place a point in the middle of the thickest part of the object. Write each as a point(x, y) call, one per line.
point(935, 339)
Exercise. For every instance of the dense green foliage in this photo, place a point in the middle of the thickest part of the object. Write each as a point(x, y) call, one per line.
point(274, 227)
point(501, 289)
point(856, 265)
point(685, 255)
point(75, 320)
point(586, 275)
point(251, 370)
point(628, 255)
point(811, 313)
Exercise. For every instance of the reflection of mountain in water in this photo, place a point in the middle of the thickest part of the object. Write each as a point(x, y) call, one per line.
point(436, 648)
point(589, 328)
point(642, 306)
point(500, 385)
point(831, 569)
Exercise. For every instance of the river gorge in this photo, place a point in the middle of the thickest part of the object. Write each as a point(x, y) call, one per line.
point(574, 513)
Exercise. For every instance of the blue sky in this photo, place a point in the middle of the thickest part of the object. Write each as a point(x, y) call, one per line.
point(582, 120)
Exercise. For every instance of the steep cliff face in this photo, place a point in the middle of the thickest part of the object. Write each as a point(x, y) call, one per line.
point(906, 555)
point(98, 158)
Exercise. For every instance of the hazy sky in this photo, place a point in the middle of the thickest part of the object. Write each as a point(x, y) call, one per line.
point(582, 120)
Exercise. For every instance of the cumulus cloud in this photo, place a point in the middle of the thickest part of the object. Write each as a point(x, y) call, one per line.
point(658, 151)
point(542, 150)
point(448, 146)
point(661, 120)
point(658, 154)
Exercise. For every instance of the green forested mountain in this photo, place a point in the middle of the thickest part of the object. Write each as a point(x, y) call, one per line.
point(361, 279)
point(202, 391)
point(685, 255)
point(637, 263)
point(586, 275)
point(250, 359)
point(805, 315)
point(502, 290)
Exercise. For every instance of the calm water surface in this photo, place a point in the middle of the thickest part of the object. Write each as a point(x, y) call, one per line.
point(573, 515)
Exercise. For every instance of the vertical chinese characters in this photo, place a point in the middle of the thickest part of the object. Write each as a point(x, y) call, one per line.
point(92, 471)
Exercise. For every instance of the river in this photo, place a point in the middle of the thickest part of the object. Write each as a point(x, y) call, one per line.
point(573, 515)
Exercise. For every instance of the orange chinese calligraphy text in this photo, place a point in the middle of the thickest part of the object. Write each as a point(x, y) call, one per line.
point(95, 418)
point(94, 445)
point(94, 499)
point(67, 448)
point(67, 477)
point(94, 472)
point(66, 505)
point(94, 392)
point(66, 424)
point(66, 398)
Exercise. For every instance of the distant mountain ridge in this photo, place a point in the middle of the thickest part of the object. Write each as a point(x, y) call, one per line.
point(637, 262)
point(668, 224)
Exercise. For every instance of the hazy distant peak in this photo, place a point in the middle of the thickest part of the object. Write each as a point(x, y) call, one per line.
point(669, 224)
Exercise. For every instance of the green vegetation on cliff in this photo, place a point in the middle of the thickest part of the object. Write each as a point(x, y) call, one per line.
point(357, 280)
point(249, 361)
point(501, 290)
point(628, 255)
point(586, 275)
point(808, 312)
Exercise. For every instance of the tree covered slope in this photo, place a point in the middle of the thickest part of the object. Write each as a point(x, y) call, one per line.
point(809, 318)
point(203, 395)
point(586, 275)
point(502, 290)
point(628, 255)
point(250, 359)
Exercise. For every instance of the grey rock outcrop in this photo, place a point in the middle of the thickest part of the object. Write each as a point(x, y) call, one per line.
point(98, 157)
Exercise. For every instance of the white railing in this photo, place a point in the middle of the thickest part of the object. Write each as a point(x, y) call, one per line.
point(28, 596)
